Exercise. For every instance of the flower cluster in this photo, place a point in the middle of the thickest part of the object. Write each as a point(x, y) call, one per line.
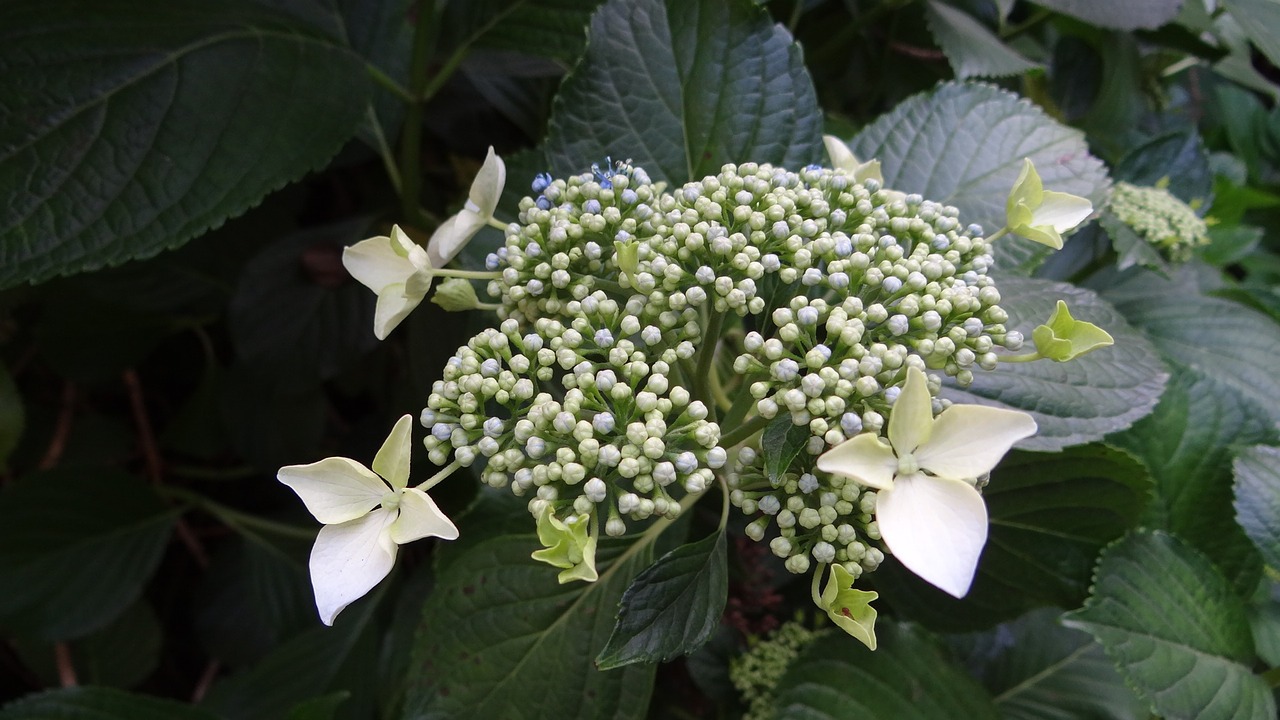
point(1161, 219)
point(757, 672)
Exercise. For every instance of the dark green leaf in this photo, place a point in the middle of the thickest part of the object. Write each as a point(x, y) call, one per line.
point(297, 671)
point(1050, 516)
point(1036, 669)
point(905, 678)
point(1074, 402)
point(142, 125)
point(77, 547)
point(1129, 15)
point(1175, 629)
point(122, 654)
point(296, 312)
point(972, 49)
point(780, 444)
point(1257, 502)
point(1178, 159)
point(499, 624)
point(91, 703)
point(963, 144)
point(682, 87)
point(1230, 244)
point(672, 607)
point(1131, 248)
point(1187, 445)
point(321, 708)
point(271, 423)
point(550, 28)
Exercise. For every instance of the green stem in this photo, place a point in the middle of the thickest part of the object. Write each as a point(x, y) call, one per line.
point(997, 235)
point(384, 150)
point(1026, 357)
point(813, 586)
point(424, 39)
point(488, 306)
point(388, 83)
point(467, 274)
point(706, 353)
point(723, 403)
point(741, 404)
point(235, 519)
point(496, 223)
point(744, 431)
point(1015, 30)
point(724, 507)
point(436, 479)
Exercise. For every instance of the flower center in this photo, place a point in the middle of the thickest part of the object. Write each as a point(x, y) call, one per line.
point(391, 500)
point(907, 464)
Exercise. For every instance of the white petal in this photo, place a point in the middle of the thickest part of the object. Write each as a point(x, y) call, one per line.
point(392, 460)
point(1062, 211)
point(336, 489)
point(842, 158)
point(911, 419)
point(865, 458)
point(453, 235)
point(487, 187)
point(420, 517)
point(349, 559)
point(969, 440)
point(935, 527)
point(376, 264)
point(394, 305)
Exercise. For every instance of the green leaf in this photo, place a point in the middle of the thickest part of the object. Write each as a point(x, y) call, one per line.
point(142, 125)
point(672, 607)
point(682, 87)
point(1074, 402)
point(548, 28)
point(1187, 445)
point(1208, 336)
point(76, 548)
point(1130, 15)
point(1230, 244)
point(1257, 502)
point(301, 669)
point(1050, 516)
point(499, 624)
point(780, 443)
point(1131, 248)
point(963, 144)
point(92, 703)
point(122, 654)
point(1177, 158)
point(905, 678)
point(1175, 629)
point(1260, 20)
point(1036, 669)
point(12, 416)
point(971, 48)
point(321, 708)
point(296, 313)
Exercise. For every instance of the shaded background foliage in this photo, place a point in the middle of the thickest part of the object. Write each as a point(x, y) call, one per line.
point(175, 324)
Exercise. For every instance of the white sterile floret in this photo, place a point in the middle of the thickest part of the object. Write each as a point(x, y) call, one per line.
point(927, 509)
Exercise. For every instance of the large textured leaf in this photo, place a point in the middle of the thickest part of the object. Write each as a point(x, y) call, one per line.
point(551, 28)
point(122, 654)
point(682, 87)
point(1258, 499)
point(76, 547)
point(133, 127)
point(1207, 336)
point(1036, 669)
point(91, 703)
point(963, 144)
point(673, 606)
point(971, 48)
point(1081, 400)
point(1051, 514)
point(1175, 629)
point(1260, 20)
point(1187, 444)
point(499, 624)
point(1128, 15)
point(905, 678)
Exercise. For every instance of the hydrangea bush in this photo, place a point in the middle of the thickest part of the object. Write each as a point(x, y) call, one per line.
point(775, 360)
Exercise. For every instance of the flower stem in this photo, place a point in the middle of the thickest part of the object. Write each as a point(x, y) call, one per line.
point(467, 274)
point(744, 431)
point(439, 477)
point(1026, 357)
point(724, 508)
point(997, 235)
point(234, 519)
point(706, 353)
point(813, 586)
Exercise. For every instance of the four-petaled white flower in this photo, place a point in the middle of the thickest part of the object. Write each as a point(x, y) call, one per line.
point(930, 514)
point(400, 271)
point(1042, 215)
point(366, 515)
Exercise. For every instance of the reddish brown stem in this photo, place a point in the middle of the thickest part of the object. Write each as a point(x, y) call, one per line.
point(62, 429)
point(66, 670)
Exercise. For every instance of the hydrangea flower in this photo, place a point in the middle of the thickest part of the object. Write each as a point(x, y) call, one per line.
point(1042, 215)
point(848, 608)
point(367, 515)
point(928, 510)
point(400, 271)
point(842, 158)
point(567, 544)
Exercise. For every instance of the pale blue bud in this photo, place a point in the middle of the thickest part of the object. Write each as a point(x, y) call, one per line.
point(686, 462)
point(808, 483)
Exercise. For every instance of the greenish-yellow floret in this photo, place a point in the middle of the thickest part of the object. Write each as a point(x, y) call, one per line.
point(757, 672)
point(1161, 219)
